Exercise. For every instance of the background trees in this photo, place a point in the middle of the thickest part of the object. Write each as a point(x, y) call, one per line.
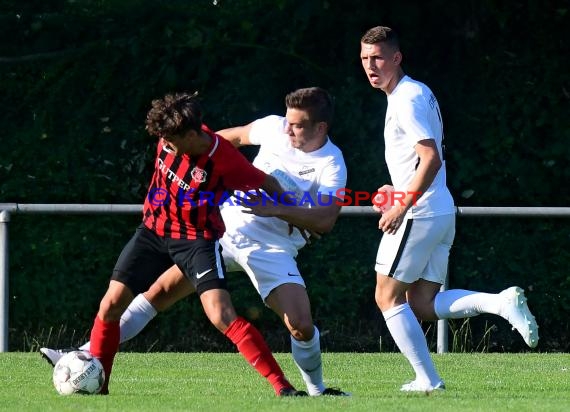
point(77, 78)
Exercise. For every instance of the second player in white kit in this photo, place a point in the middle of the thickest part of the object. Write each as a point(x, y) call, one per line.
point(266, 247)
point(412, 259)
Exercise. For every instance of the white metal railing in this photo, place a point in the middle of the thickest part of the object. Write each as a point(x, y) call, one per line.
point(6, 209)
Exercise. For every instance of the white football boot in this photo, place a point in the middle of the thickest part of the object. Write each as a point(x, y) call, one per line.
point(53, 355)
point(515, 309)
point(417, 386)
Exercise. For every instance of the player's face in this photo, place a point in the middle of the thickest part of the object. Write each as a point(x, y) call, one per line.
point(381, 65)
point(304, 134)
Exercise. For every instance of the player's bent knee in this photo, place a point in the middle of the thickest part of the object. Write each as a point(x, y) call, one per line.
point(222, 320)
point(110, 310)
point(386, 299)
point(115, 302)
point(221, 313)
point(302, 330)
point(383, 299)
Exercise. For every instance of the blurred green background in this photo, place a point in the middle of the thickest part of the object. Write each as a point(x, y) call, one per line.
point(77, 78)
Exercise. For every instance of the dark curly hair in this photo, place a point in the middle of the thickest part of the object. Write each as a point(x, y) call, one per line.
point(174, 114)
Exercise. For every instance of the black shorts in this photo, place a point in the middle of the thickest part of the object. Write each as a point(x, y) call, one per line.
point(146, 256)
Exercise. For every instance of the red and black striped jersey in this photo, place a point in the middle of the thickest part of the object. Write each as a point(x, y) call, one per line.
point(185, 192)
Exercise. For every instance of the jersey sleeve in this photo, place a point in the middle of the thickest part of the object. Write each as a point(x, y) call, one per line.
point(263, 129)
point(414, 119)
point(239, 173)
point(333, 177)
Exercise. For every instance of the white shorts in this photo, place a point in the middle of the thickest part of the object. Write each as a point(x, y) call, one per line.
point(267, 267)
point(418, 250)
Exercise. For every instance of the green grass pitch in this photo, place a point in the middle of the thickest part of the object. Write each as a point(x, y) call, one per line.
point(217, 382)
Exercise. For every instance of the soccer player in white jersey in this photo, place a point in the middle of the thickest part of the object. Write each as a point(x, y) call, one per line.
point(412, 259)
point(263, 238)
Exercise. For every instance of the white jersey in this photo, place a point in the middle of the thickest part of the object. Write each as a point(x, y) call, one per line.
point(307, 175)
point(413, 115)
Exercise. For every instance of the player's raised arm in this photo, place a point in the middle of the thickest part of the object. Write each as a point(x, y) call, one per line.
point(238, 136)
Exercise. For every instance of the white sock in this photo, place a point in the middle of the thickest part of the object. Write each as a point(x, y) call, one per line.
point(409, 336)
point(139, 313)
point(307, 356)
point(459, 303)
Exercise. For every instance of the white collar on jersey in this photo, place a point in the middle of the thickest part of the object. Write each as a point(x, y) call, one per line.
point(216, 143)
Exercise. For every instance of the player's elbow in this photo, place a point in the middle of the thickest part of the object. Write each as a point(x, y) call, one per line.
point(433, 165)
point(326, 224)
point(437, 163)
point(330, 218)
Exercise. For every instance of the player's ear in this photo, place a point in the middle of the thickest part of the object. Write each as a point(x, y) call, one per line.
point(397, 58)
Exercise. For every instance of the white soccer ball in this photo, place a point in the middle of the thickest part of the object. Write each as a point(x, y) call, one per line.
point(78, 372)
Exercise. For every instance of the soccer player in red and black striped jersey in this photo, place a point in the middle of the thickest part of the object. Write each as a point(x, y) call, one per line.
point(194, 169)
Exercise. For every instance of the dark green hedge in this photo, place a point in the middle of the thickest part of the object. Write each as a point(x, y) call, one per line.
point(77, 79)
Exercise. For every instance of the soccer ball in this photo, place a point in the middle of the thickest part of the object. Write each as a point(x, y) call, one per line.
point(78, 372)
